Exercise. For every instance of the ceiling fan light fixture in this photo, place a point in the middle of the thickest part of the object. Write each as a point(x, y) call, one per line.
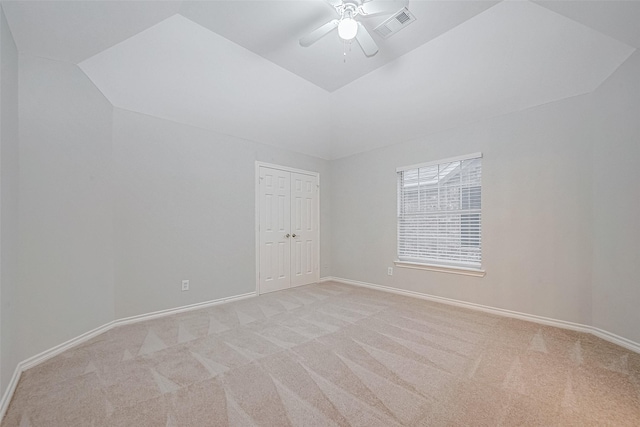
point(347, 28)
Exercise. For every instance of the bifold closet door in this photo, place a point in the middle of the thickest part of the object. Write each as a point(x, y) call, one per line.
point(304, 228)
point(275, 235)
point(288, 229)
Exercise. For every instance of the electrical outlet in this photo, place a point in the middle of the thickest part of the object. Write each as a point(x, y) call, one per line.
point(390, 271)
point(185, 285)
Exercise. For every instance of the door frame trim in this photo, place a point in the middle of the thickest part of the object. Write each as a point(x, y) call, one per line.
point(259, 164)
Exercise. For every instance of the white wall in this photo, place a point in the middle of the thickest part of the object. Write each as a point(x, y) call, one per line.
point(184, 209)
point(616, 203)
point(536, 223)
point(117, 207)
point(9, 171)
point(66, 221)
point(561, 209)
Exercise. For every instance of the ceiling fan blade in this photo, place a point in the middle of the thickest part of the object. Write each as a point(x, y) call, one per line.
point(318, 33)
point(369, 47)
point(379, 7)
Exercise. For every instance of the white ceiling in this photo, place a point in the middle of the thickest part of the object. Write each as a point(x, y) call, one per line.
point(236, 66)
point(323, 64)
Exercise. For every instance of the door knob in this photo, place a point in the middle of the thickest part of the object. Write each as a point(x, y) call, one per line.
point(287, 235)
point(293, 235)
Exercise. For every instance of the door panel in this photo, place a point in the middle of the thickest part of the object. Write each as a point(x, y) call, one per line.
point(304, 225)
point(275, 217)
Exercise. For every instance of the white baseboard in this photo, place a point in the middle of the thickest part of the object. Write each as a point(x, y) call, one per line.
point(605, 335)
point(170, 311)
point(615, 339)
point(54, 351)
point(8, 393)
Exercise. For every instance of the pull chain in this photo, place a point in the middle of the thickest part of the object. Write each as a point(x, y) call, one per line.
point(344, 49)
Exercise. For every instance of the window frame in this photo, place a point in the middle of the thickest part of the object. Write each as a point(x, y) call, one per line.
point(440, 265)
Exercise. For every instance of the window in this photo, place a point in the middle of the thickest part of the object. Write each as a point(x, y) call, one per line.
point(439, 212)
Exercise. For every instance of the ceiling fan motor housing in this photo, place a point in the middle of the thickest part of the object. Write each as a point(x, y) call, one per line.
point(349, 9)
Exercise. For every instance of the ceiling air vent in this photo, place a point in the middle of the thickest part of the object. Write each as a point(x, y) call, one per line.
point(395, 23)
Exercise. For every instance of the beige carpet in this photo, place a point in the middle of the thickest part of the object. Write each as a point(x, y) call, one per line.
point(327, 355)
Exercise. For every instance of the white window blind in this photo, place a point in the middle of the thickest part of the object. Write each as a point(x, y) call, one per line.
point(439, 212)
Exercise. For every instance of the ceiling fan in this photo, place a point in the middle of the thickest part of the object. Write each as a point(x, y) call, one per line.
point(348, 27)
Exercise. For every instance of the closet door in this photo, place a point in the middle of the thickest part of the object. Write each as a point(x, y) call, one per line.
point(274, 230)
point(288, 229)
point(304, 229)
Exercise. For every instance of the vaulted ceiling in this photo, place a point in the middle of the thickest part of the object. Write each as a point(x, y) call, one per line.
point(236, 67)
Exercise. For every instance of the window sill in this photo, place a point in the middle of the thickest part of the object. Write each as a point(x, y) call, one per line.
point(441, 268)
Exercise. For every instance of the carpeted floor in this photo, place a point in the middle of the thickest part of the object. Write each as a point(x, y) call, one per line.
point(331, 354)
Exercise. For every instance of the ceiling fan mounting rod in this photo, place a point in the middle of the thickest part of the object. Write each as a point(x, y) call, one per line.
point(348, 9)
